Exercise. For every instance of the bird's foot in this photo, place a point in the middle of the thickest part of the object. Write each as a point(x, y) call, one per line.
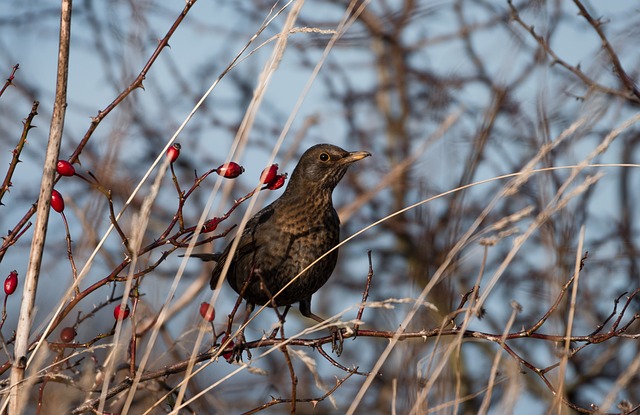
point(238, 345)
point(337, 340)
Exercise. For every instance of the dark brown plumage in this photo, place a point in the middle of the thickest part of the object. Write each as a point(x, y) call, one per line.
point(285, 237)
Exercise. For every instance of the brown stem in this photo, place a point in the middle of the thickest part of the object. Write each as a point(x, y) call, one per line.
point(15, 159)
point(625, 79)
point(365, 294)
point(74, 270)
point(9, 80)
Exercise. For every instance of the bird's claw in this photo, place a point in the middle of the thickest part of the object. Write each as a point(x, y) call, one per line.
point(337, 340)
point(239, 347)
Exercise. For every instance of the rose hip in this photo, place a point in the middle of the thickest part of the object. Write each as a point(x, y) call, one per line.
point(57, 202)
point(207, 311)
point(231, 344)
point(11, 283)
point(173, 152)
point(269, 173)
point(230, 170)
point(277, 182)
point(68, 334)
point(119, 313)
point(64, 168)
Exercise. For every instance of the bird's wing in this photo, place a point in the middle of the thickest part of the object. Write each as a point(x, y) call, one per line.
point(246, 246)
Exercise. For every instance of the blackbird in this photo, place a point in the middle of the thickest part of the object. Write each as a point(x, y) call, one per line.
point(282, 239)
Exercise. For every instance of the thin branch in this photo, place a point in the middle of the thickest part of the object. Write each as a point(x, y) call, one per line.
point(624, 77)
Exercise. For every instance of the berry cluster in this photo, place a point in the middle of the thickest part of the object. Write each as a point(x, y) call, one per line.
point(64, 168)
point(269, 179)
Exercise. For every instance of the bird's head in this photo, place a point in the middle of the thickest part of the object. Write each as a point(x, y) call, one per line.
point(322, 166)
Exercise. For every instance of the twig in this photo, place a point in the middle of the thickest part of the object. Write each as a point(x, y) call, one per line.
point(626, 80)
point(74, 270)
point(499, 338)
point(15, 159)
point(9, 80)
point(338, 365)
point(556, 59)
point(365, 295)
point(276, 401)
point(292, 373)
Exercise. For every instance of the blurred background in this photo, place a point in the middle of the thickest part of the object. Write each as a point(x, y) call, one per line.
point(443, 94)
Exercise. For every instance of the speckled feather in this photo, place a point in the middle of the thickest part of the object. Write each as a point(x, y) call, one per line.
point(292, 232)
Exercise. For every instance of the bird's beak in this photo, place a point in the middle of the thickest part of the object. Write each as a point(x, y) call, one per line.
point(355, 156)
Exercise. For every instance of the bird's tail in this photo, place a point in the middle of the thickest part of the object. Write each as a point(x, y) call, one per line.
point(206, 257)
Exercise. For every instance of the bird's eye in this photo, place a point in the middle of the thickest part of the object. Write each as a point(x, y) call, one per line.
point(324, 157)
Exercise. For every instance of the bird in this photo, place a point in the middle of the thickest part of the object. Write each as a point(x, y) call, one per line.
point(285, 237)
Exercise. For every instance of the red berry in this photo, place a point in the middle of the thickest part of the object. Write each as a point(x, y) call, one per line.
point(277, 182)
point(173, 152)
point(207, 311)
point(65, 168)
point(120, 314)
point(230, 170)
point(227, 355)
point(68, 334)
point(57, 202)
point(269, 173)
point(211, 225)
point(11, 283)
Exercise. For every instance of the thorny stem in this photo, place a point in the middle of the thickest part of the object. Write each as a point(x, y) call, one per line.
point(17, 231)
point(365, 294)
point(4, 311)
point(314, 401)
point(116, 225)
point(555, 59)
point(181, 197)
point(133, 344)
point(74, 270)
point(9, 80)
point(338, 365)
point(15, 159)
point(292, 373)
point(624, 77)
point(283, 342)
point(599, 327)
point(553, 308)
point(113, 276)
point(137, 83)
point(473, 294)
point(624, 308)
point(498, 338)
